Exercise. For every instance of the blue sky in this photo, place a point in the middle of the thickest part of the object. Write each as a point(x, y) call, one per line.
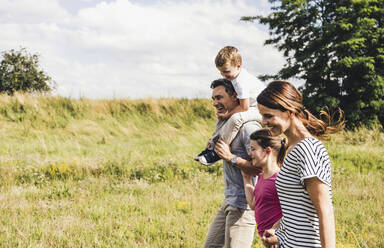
point(136, 49)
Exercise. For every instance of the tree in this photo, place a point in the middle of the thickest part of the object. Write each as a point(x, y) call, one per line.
point(19, 71)
point(337, 48)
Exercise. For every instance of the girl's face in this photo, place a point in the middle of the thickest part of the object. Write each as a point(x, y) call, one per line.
point(257, 154)
point(276, 120)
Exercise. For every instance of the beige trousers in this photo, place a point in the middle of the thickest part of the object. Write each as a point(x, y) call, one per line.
point(232, 227)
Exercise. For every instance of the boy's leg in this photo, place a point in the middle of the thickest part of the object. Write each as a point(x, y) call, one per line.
point(209, 156)
point(216, 233)
point(240, 227)
point(229, 129)
point(211, 143)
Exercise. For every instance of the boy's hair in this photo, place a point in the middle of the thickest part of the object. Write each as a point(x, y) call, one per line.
point(228, 54)
point(226, 83)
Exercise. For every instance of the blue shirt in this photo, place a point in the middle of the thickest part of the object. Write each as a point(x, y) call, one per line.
point(234, 186)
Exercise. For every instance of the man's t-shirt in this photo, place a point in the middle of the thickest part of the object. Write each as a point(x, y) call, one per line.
point(234, 186)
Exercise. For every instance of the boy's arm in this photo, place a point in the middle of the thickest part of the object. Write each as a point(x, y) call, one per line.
point(243, 106)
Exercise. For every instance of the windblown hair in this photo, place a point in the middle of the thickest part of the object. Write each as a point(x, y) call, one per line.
point(283, 96)
point(227, 85)
point(228, 54)
point(264, 138)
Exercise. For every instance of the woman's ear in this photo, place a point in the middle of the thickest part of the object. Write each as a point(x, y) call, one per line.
point(268, 150)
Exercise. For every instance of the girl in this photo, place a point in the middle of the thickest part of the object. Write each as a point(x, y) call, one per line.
point(304, 182)
point(267, 153)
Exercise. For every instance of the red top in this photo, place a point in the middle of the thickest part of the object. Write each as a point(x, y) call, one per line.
point(267, 205)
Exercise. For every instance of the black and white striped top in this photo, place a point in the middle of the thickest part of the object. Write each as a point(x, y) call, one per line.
point(299, 226)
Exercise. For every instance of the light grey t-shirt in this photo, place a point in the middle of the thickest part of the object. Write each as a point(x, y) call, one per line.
point(234, 186)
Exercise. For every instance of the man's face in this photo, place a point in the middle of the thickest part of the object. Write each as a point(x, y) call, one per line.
point(229, 71)
point(222, 101)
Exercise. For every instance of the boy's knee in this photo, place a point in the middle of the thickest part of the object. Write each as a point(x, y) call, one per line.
point(237, 119)
point(236, 116)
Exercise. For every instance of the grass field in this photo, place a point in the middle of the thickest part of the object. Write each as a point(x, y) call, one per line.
point(119, 173)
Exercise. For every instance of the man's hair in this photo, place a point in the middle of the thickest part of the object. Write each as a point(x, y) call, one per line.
point(228, 54)
point(226, 83)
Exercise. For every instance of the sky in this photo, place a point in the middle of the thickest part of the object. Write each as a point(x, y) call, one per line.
point(136, 48)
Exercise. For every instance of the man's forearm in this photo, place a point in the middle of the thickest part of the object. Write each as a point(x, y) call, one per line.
point(223, 151)
point(246, 166)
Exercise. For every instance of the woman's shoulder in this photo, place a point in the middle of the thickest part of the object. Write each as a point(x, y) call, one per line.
point(310, 142)
point(308, 145)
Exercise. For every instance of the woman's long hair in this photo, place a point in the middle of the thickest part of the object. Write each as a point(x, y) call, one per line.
point(283, 96)
point(264, 138)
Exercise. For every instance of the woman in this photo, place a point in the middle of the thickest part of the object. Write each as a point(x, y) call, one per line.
point(304, 181)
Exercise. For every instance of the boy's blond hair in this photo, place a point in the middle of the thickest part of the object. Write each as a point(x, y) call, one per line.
point(228, 54)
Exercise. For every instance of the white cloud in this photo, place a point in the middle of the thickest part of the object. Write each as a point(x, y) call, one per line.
point(29, 11)
point(126, 49)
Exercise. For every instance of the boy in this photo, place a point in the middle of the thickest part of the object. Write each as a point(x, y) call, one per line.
point(229, 62)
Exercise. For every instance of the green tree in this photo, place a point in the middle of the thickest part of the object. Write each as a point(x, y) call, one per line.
point(337, 48)
point(19, 71)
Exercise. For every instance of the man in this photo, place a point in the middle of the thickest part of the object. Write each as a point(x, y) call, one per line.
point(234, 224)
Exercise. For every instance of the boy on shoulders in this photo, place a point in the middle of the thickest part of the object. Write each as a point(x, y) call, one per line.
point(229, 62)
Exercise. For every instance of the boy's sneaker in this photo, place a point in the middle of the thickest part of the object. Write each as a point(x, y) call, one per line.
point(196, 158)
point(209, 158)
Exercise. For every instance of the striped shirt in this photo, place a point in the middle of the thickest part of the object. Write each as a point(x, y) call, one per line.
point(299, 226)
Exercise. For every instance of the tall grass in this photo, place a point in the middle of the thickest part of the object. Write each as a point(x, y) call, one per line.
point(80, 137)
point(119, 173)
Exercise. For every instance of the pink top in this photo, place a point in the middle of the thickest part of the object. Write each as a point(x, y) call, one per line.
point(267, 205)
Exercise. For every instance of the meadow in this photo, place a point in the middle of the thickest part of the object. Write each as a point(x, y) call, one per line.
point(120, 173)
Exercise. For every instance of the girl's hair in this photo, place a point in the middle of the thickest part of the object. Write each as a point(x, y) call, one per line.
point(264, 138)
point(283, 96)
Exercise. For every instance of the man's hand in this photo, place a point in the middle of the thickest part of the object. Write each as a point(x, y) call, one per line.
point(223, 150)
point(270, 239)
